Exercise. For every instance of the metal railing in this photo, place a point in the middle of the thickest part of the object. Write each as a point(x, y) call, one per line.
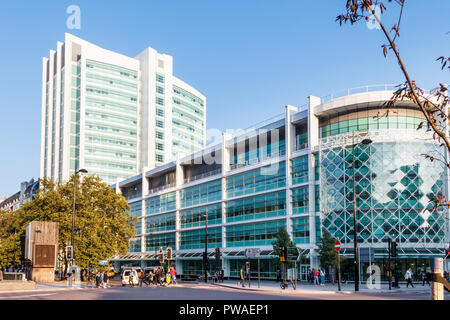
point(258, 160)
point(259, 125)
point(356, 90)
point(203, 175)
point(167, 186)
point(14, 276)
point(301, 146)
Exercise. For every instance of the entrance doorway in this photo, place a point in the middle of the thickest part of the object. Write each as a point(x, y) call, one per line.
point(304, 270)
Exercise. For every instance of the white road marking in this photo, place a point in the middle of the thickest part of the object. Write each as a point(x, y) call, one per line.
point(29, 296)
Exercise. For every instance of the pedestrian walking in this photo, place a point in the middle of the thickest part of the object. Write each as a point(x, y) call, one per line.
point(97, 280)
point(221, 275)
point(424, 278)
point(242, 276)
point(106, 280)
point(102, 279)
point(278, 275)
point(141, 278)
point(162, 278)
point(322, 276)
point(408, 277)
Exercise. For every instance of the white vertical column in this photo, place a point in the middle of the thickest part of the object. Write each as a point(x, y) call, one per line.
point(145, 192)
point(50, 114)
point(179, 181)
point(44, 117)
point(58, 109)
point(290, 147)
point(313, 143)
point(226, 160)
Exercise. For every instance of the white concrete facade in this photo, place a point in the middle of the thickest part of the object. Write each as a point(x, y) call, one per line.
point(100, 111)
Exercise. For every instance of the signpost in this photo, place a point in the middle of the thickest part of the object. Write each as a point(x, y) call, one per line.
point(252, 253)
point(337, 246)
point(293, 254)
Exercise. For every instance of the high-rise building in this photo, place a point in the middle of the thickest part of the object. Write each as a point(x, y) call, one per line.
point(114, 115)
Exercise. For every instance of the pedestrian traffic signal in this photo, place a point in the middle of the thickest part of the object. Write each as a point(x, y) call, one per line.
point(169, 253)
point(69, 252)
point(447, 254)
point(393, 249)
point(217, 254)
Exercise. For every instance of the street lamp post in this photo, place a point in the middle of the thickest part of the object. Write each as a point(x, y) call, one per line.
point(355, 232)
point(73, 209)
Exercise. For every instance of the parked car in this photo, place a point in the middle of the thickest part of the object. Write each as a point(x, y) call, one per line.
point(127, 274)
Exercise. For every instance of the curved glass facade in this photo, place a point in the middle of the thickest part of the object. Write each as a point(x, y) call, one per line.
point(395, 184)
point(368, 119)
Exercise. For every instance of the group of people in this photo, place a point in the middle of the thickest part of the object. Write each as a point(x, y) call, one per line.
point(158, 277)
point(317, 276)
point(99, 279)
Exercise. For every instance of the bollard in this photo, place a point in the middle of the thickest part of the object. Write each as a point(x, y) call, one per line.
point(437, 289)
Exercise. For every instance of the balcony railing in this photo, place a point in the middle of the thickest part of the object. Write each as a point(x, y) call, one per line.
point(167, 186)
point(258, 160)
point(203, 175)
point(259, 125)
point(301, 146)
point(348, 92)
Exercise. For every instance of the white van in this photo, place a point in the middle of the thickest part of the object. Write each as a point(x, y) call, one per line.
point(126, 277)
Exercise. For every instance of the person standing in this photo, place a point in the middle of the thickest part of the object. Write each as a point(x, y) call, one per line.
point(322, 276)
point(316, 276)
point(408, 277)
point(173, 274)
point(424, 278)
point(278, 275)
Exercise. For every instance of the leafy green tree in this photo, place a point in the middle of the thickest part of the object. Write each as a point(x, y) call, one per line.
point(326, 250)
point(103, 225)
point(10, 245)
point(283, 240)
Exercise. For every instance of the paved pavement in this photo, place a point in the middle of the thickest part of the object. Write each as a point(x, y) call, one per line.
point(229, 290)
point(328, 288)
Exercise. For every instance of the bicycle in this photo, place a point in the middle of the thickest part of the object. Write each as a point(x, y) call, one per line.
point(285, 284)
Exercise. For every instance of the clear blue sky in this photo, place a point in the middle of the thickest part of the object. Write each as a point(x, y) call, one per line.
point(249, 57)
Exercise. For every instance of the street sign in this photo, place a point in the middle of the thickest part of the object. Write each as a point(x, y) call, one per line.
point(292, 254)
point(337, 245)
point(103, 263)
point(252, 253)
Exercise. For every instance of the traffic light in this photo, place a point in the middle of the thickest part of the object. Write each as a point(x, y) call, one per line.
point(447, 253)
point(169, 253)
point(161, 256)
point(283, 256)
point(393, 249)
point(69, 252)
point(217, 254)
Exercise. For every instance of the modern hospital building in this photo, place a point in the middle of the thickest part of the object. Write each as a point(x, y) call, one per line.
point(114, 115)
point(295, 171)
